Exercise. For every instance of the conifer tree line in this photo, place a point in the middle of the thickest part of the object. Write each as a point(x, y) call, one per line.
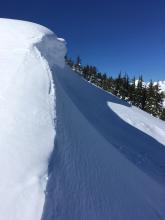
point(136, 92)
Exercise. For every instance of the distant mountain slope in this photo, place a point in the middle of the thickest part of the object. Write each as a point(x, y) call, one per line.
point(161, 84)
point(102, 167)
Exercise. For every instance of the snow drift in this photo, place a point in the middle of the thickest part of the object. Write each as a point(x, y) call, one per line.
point(140, 120)
point(102, 167)
point(27, 114)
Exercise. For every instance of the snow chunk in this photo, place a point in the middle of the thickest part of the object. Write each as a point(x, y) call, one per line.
point(140, 120)
point(27, 113)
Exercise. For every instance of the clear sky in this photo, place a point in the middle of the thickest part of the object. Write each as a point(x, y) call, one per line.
point(113, 35)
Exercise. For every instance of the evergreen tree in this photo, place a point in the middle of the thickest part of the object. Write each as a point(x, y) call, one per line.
point(104, 82)
point(85, 71)
point(148, 98)
point(93, 72)
point(99, 79)
point(124, 87)
point(132, 92)
point(151, 105)
point(158, 100)
point(68, 61)
point(139, 92)
point(78, 64)
point(162, 115)
point(117, 85)
point(144, 98)
point(110, 85)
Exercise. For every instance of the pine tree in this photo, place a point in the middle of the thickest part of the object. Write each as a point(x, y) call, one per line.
point(154, 100)
point(139, 92)
point(117, 85)
point(92, 74)
point(162, 115)
point(132, 92)
point(144, 98)
point(104, 82)
point(85, 71)
point(124, 87)
point(158, 100)
point(148, 98)
point(68, 61)
point(78, 65)
point(110, 85)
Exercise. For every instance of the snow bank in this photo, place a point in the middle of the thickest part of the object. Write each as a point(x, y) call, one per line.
point(102, 167)
point(140, 120)
point(27, 51)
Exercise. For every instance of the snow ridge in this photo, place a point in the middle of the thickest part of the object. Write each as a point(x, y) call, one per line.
point(27, 115)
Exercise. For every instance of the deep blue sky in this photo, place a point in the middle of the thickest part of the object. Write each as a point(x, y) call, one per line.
point(114, 35)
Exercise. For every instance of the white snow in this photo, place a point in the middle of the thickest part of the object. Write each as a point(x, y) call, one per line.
point(108, 161)
point(140, 120)
point(102, 167)
point(27, 113)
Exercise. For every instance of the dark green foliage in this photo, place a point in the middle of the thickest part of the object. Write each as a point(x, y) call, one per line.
point(162, 116)
point(132, 91)
point(78, 64)
point(148, 98)
point(69, 61)
point(154, 100)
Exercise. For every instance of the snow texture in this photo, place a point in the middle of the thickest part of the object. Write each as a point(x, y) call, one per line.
point(27, 113)
point(141, 120)
point(102, 167)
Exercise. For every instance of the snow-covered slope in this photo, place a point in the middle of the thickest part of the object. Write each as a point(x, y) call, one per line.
point(102, 168)
point(140, 120)
point(27, 113)
point(104, 164)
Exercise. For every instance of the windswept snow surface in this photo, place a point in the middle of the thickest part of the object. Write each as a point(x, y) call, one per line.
point(141, 120)
point(102, 168)
point(27, 113)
